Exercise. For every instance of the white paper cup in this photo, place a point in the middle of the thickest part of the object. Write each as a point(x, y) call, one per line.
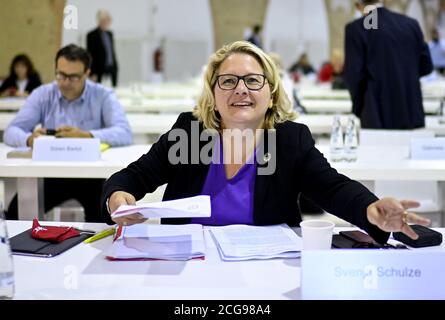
point(317, 234)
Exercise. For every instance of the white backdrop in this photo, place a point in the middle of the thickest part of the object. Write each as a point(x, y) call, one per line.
point(139, 25)
point(291, 27)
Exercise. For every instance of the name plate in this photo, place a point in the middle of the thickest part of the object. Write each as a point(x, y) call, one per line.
point(428, 148)
point(66, 149)
point(373, 274)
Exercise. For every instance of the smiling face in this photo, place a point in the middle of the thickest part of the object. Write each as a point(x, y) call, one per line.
point(242, 108)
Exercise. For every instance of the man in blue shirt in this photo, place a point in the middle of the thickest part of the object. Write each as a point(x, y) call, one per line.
point(74, 107)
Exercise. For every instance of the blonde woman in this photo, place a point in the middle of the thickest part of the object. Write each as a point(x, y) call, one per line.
point(240, 147)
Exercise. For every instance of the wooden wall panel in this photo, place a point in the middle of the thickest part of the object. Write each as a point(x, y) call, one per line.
point(33, 27)
point(232, 17)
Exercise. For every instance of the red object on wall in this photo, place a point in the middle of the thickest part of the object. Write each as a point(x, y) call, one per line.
point(326, 73)
point(157, 60)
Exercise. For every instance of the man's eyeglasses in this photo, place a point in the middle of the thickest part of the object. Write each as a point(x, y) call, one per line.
point(71, 77)
point(252, 81)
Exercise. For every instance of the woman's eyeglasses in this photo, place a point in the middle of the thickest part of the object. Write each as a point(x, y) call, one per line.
point(252, 81)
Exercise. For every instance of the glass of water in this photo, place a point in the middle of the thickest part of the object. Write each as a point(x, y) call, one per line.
point(6, 263)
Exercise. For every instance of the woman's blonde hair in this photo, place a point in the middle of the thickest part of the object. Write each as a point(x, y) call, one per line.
point(281, 109)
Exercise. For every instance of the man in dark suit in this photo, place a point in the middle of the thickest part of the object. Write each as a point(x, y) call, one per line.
point(100, 45)
point(385, 56)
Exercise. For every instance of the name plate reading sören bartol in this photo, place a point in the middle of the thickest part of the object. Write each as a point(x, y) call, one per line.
point(66, 149)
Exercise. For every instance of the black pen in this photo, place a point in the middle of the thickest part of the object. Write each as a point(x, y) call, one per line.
point(85, 231)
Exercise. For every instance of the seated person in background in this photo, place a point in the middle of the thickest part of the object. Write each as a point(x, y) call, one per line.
point(255, 36)
point(22, 79)
point(285, 79)
point(333, 71)
point(76, 108)
point(288, 84)
point(437, 50)
point(253, 176)
point(302, 66)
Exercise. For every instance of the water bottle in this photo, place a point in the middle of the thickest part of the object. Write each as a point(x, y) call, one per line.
point(6, 264)
point(441, 111)
point(336, 144)
point(351, 140)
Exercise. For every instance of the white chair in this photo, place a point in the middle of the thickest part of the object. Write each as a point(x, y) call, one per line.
point(70, 210)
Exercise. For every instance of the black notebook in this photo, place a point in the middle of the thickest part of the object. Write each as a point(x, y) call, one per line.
point(24, 244)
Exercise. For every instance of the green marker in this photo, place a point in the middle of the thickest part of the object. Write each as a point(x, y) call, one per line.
point(100, 235)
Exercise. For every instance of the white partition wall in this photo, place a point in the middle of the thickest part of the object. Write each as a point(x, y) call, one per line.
point(292, 27)
point(184, 59)
point(139, 26)
point(414, 10)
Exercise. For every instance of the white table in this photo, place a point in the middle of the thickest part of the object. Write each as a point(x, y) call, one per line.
point(392, 163)
point(83, 273)
point(143, 124)
point(322, 123)
point(5, 119)
point(157, 124)
point(156, 105)
point(389, 163)
point(314, 106)
point(345, 106)
point(29, 173)
point(129, 104)
point(11, 104)
point(166, 90)
point(323, 93)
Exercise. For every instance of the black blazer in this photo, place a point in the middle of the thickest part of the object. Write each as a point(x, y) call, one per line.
point(300, 167)
point(10, 82)
point(382, 71)
point(96, 48)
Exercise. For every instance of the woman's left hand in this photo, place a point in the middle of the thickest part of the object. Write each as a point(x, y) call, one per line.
point(391, 215)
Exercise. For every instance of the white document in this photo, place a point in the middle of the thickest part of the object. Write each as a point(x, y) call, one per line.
point(195, 207)
point(164, 242)
point(242, 242)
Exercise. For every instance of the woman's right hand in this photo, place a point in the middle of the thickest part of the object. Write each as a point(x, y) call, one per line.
point(119, 198)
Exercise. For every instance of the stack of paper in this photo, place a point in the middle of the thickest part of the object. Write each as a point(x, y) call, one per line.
point(164, 242)
point(195, 207)
point(242, 242)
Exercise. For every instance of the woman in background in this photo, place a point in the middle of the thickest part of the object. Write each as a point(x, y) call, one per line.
point(22, 78)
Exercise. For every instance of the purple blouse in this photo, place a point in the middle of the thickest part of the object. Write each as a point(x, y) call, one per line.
point(231, 199)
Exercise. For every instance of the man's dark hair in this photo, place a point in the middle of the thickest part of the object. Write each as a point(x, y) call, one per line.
point(256, 29)
point(72, 52)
